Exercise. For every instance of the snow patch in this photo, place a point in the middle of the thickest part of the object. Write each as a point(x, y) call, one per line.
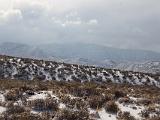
point(106, 116)
point(2, 109)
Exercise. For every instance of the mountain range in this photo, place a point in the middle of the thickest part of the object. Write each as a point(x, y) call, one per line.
point(87, 54)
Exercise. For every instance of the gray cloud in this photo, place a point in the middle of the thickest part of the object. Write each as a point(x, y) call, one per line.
point(119, 23)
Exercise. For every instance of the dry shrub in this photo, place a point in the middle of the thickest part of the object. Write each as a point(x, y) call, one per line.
point(78, 92)
point(151, 110)
point(145, 114)
point(2, 104)
point(126, 100)
point(80, 104)
point(65, 99)
point(125, 116)
point(145, 102)
point(97, 101)
point(45, 104)
point(73, 115)
point(25, 88)
point(119, 94)
point(30, 92)
point(95, 115)
point(73, 103)
point(47, 115)
point(15, 109)
point(85, 90)
point(155, 118)
point(13, 95)
point(21, 116)
point(111, 107)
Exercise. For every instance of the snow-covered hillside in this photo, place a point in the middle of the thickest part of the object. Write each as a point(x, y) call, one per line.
point(84, 54)
point(146, 67)
point(29, 69)
point(138, 66)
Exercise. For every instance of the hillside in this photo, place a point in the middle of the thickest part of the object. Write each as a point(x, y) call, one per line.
point(77, 50)
point(52, 100)
point(139, 66)
point(87, 54)
point(98, 52)
point(145, 66)
point(30, 69)
point(47, 90)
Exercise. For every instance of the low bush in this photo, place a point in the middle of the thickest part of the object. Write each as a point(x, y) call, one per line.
point(13, 95)
point(125, 116)
point(97, 101)
point(111, 107)
point(21, 116)
point(73, 115)
point(119, 94)
point(45, 104)
point(15, 109)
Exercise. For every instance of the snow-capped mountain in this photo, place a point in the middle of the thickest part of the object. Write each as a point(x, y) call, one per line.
point(30, 69)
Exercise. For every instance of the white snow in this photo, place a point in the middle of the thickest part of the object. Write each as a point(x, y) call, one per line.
point(52, 95)
point(18, 60)
point(19, 103)
point(62, 106)
point(119, 74)
point(39, 95)
point(129, 108)
point(2, 109)
point(35, 112)
point(14, 72)
point(2, 98)
point(42, 95)
point(136, 80)
point(106, 116)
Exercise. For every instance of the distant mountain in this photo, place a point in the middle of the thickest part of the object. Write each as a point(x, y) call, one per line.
point(98, 53)
point(88, 54)
point(21, 50)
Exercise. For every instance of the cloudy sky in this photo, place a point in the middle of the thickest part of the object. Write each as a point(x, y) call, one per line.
point(131, 24)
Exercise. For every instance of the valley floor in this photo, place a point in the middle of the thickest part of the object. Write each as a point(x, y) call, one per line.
point(53, 100)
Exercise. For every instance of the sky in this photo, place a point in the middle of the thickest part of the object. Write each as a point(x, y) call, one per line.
point(128, 24)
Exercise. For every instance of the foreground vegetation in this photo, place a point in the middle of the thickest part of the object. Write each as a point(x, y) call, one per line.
point(73, 100)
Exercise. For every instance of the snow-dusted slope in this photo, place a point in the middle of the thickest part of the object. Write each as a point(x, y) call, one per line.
point(138, 66)
point(85, 54)
point(29, 69)
point(147, 66)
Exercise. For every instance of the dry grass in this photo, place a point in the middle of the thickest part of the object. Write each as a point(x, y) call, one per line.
point(86, 95)
point(125, 116)
point(73, 115)
point(45, 104)
point(111, 107)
